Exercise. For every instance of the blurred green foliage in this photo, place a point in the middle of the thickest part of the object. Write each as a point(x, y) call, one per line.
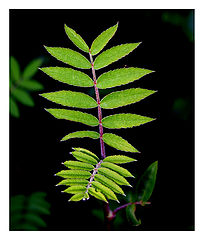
point(182, 108)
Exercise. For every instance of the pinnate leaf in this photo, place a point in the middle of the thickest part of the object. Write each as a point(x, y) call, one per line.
point(118, 142)
point(125, 120)
point(81, 134)
point(23, 97)
point(125, 97)
point(71, 99)
point(75, 116)
point(74, 181)
point(78, 165)
point(113, 54)
point(118, 159)
point(122, 171)
point(76, 39)
point(31, 85)
point(83, 157)
point(100, 42)
point(75, 189)
point(120, 77)
point(74, 174)
point(70, 57)
point(69, 76)
point(14, 108)
point(32, 68)
point(96, 194)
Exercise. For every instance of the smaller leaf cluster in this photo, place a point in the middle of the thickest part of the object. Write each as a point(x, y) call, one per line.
point(88, 175)
point(21, 84)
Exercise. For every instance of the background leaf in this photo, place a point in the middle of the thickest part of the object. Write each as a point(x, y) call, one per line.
point(81, 134)
point(32, 68)
point(23, 97)
point(14, 108)
point(130, 214)
point(31, 85)
point(14, 69)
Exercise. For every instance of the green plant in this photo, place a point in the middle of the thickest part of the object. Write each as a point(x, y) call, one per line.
point(21, 84)
point(90, 175)
point(26, 211)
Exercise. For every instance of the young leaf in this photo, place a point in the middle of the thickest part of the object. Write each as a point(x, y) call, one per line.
point(118, 159)
point(75, 116)
point(74, 174)
point(69, 76)
point(78, 165)
point(109, 183)
point(22, 97)
point(125, 120)
point(31, 85)
point(87, 152)
point(75, 189)
point(100, 42)
point(83, 157)
point(120, 77)
point(70, 57)
point(122, 171)
point(71, 99)
point(32, 68)
point(114, 54)
point(113, 176)
point(118, 142)
point(109, 193)
point(125, 97)
point(96, 194)
point(76, 39)
point(81, 134)
point(73, 182)
point(14, 108)
point(14, 70)
point(77, 197)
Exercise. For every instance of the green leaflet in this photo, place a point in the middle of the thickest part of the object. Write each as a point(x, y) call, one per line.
point(109, 183)
point(14, 69)
point(77, 197)
point(109, 193)
point(81, 134)
point(69, 76)
point(31, 85)
point(130, 214)
point(96, 194)
point(32, 68)
point(120, 77)
point(69, 56)
point(125, 120)
point(118, 159)
point(75, 189)
point(125, 97)
point(14, 108)
point(73, 181)
point(79, 165)
point(22, 97)
point(113, 54)
point(71, 99)
point(100, 42)
point(122, 171)
point(85, 151)
point(118, 142)
point(83, 157)
point(74, 174)
point(76, 39)
point(75, 116)
point(113, 176)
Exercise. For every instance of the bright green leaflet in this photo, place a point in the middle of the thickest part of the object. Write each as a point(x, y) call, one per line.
point(122, 171)
point(79, 165)
point(81, 134)
point(96, 194)
point(83, 157)
point(75, 189)
point(119, 159)
point(87, 152)
point(74, 174)
point(32, 68)
point(73, 181)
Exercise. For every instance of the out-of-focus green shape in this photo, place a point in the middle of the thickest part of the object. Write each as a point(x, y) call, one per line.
point(26, 212)
point(14, 108)
point(31, 69)
point(23, 97)
point(131, 217)
point(182, 108)
point(14, 70)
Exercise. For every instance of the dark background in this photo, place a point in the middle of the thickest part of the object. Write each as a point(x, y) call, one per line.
point(35, 151)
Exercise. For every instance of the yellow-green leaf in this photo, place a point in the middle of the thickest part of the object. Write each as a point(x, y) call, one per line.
point(74, 174)
point(73, 181)
point(77, 197)
point(75, 189)
point(79, 165)
point(122, 171)
point(118, 159)
point(85, 151)
point(96, 194)
point(81, 134)
point(83, 157)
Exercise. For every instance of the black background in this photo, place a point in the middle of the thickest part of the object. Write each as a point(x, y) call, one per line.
point(35, 151)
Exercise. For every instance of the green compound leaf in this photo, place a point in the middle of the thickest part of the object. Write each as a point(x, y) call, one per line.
point(87, 152)
point(73, 182)
point(75, 116)
point(96, 194)
point(32, 68)
point(120, 77)
point(75, 189)
point(71, 99)
point(109, 183)
point(130, 214)
point(113, 54)
point(83, 157)
point(125, 97)
point(78, 165)
point(77, 197)
point(31, 85)
point(74, 174)
point(125, 120)
point(69, 76)
point(122, 171)
point(76, 39)
point(14, 108)
point(109, 193)
point(113, 176)
point(118, 142)
point(118, 159)
point(81, 134)
point(100, 42)
point(70, 57)
point(22, 97)
point(14, 69)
